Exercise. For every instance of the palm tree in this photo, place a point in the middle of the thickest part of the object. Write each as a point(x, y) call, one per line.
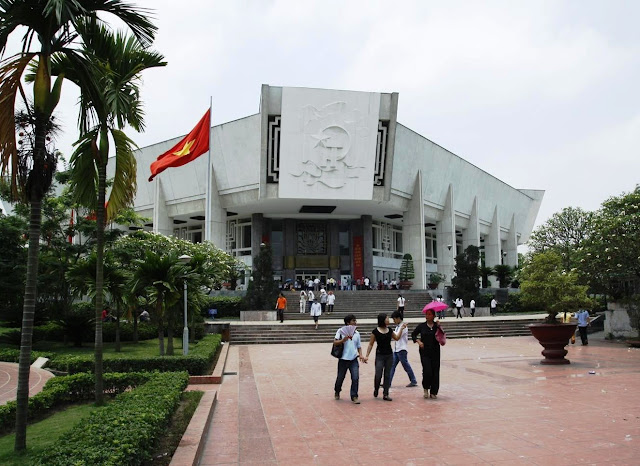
point(163, 275)
point(52, 24)
point(110, 99)
point(82, 278)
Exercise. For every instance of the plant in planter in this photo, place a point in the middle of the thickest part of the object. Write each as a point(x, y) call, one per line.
point(406, 272)
point(546, 286)
point(435, 279)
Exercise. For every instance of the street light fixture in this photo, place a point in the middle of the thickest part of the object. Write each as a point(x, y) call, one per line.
point(185, 259)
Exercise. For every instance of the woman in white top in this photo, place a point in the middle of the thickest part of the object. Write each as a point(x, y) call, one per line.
point(316, 311)
point(331, 299)
point(303, 301)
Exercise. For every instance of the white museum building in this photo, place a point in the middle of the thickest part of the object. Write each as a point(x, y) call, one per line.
point(338, 188)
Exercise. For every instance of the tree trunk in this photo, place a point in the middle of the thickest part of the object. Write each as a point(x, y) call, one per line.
point(134, 313)
point(170, 323)
point(118, 332)
point(100, 220)
point(160, 325)
point(28, 314)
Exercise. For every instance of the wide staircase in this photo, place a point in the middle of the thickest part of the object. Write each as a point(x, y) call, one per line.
point(364, 304)
point(367, 305)
point(296, 333)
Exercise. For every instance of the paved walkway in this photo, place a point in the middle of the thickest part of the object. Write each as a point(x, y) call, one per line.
point(9, 381)
point(497, 405)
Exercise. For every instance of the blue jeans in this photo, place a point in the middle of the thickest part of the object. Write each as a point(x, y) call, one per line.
point(354, 369)
point(401, 356)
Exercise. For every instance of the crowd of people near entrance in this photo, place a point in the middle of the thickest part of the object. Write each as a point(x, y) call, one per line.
point(344, 284)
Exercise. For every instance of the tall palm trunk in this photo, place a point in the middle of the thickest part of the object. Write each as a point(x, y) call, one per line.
point(160, 324)
point(118, 349)
point(28, 314)
point(170, 324)
point(103, 153)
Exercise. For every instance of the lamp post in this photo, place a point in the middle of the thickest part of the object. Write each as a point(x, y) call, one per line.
point(185, 259)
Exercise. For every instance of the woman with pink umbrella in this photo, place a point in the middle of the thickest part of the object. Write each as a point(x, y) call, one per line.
point(430, 336)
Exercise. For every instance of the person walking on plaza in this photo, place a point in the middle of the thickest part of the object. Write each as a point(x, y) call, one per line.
point(281, 305)
point(472, 307)
point(400, 304)
point(441, 313)
point(400, 350)
point(310, 298)
point(494, 306)
point(331, 299)
point(459, 303)
point(425, 335)
point(351, 351)
point(323, 299)
point(303, 301)
point(382, 336)
point(583, 323)
point(316, 311)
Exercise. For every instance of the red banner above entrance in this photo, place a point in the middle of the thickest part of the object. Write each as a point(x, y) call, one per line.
point(358, 257)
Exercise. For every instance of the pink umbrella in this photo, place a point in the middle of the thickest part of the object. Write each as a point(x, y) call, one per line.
point(435, 306)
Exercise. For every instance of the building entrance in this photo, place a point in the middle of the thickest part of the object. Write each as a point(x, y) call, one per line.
point(303, 276)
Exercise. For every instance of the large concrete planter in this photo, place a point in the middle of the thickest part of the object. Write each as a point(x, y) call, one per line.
point(258, 316)
point(553, 337)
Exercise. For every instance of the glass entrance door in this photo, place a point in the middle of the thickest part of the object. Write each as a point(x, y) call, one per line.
point(303, 276)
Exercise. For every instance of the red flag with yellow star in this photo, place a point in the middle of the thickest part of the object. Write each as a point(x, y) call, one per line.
point(190, 148)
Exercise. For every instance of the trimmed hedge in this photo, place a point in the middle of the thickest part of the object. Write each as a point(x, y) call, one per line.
point(68, 389)
point(227, 306)
point(13, 355)
point(124, 431)
point(197, 362)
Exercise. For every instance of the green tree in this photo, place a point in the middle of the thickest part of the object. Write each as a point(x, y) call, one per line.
point(12, 270)
point(110, 97)
point(485, 272)
point(407, 271)
point(262, 290)
point(545, 285)
point(563, 233)
point(504, 274)
point(466, 283)
point(52, 24)
point(163, 274)
point(611, 255)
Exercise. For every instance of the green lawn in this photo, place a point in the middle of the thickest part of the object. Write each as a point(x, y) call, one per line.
point(42, 435)
point(143, 348)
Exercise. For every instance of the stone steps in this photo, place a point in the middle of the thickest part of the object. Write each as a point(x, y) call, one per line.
point(296, 333)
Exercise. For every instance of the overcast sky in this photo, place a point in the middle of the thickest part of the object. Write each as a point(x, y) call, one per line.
point(543, 95)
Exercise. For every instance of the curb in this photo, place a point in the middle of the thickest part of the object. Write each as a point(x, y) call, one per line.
point(218, 371)
point(192, 443)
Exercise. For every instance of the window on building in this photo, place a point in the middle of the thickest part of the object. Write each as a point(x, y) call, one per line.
point(431, 246)
point(239, 237)
point(387, 239)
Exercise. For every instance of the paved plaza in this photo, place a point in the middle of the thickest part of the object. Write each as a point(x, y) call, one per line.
point(497, 405)
point(9, 381)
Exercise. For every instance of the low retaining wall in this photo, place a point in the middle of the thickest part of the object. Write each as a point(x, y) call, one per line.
point(619, 322)
point(259, 316)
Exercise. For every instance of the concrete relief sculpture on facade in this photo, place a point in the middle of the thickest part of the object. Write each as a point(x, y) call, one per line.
point(327, 146)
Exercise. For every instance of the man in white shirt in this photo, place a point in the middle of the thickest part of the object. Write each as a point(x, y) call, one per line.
point(494, 306)
point(400, 305)
point(349, 359)
point(472, 306)
point(366, 283)
point(400, 351)
point(459, 303)
point(316, 284)
point(310, 298)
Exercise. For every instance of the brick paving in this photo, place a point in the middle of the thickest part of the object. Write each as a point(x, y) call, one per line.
point(9, 381)
point(497, 405)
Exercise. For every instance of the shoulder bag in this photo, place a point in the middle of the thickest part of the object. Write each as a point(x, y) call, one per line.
point(441, 337)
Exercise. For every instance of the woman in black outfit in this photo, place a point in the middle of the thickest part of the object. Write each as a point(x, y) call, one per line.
point(425, 335)
point(384, 354)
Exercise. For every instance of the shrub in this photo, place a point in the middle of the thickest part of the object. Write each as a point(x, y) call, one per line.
point(197, 362)
point(13, 355)
point(227, 306)
point(67, 389)
point(124, 431)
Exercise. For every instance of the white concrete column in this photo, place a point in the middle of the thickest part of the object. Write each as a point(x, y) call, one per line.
point(492, 242)
point(512, 244)
point(413, 233)
point(162, 223)
point(445, 237)
point(216, 226)
point(471, 236)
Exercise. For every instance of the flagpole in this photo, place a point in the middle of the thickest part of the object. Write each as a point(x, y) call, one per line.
point(207, 215)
